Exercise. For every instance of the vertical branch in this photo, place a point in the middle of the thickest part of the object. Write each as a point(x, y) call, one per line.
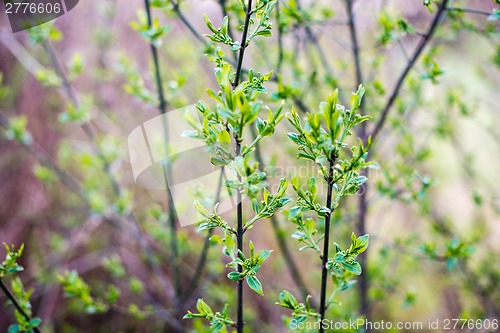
point(166, 171)
point(326, 243)
point(243, 43)
point(238, 137)
point(364, 279)
point(239, 241)
point(16, 304)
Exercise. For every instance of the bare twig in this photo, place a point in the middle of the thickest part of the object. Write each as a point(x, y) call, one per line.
point(364, 281)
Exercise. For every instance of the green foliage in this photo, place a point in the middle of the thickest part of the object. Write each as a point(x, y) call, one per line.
point(4, 90)
point(10, 265)
point(23, 298)
point(345, 260)
point(218, 320)
point(76, 66)
point(322, 139)
point(45, 32)
point(429, 153)
point(18, 296)
point(17, 130)
point(48, 77)
point(75, 287)
point(250, 266)
point(154, 33)
point(77, 114)
point(301, 311)
point(135, 84)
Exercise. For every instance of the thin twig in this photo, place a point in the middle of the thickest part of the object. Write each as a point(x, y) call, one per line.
point(312, 38)
point(468, 10)
point(188, 24)
point(243, 44)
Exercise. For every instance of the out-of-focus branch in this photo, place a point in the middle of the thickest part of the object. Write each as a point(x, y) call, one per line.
point(172, 216)
point(188, 24)
point(70, 94)
point(364, 279)
point(41, 155)
point(468, 10)
point(416, 54)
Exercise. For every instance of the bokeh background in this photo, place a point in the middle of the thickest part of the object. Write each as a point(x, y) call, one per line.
point(433, 203)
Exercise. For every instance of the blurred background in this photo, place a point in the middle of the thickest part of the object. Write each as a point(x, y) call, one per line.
point(68, 193)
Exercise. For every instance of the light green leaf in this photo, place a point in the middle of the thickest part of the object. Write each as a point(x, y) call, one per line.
point(255, 284)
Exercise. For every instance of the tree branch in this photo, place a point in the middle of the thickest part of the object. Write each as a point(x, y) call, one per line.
point(16, 304)
point(468, 10)
point(326, 243)
point(416, 54)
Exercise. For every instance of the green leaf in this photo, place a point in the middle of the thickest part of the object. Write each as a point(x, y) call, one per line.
point(294, 211)
point(255, 284)
point(201, 209)
point(13, 329)
point(346, 286)
point(354, 267)
point(263, 255)
point(234, 276)
point(217, 162)
point(287, 300)
point(209, 23)
point(264, 32)
point(35, 322)
point(203, 308)
point(224, 139)
point(360, 244)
